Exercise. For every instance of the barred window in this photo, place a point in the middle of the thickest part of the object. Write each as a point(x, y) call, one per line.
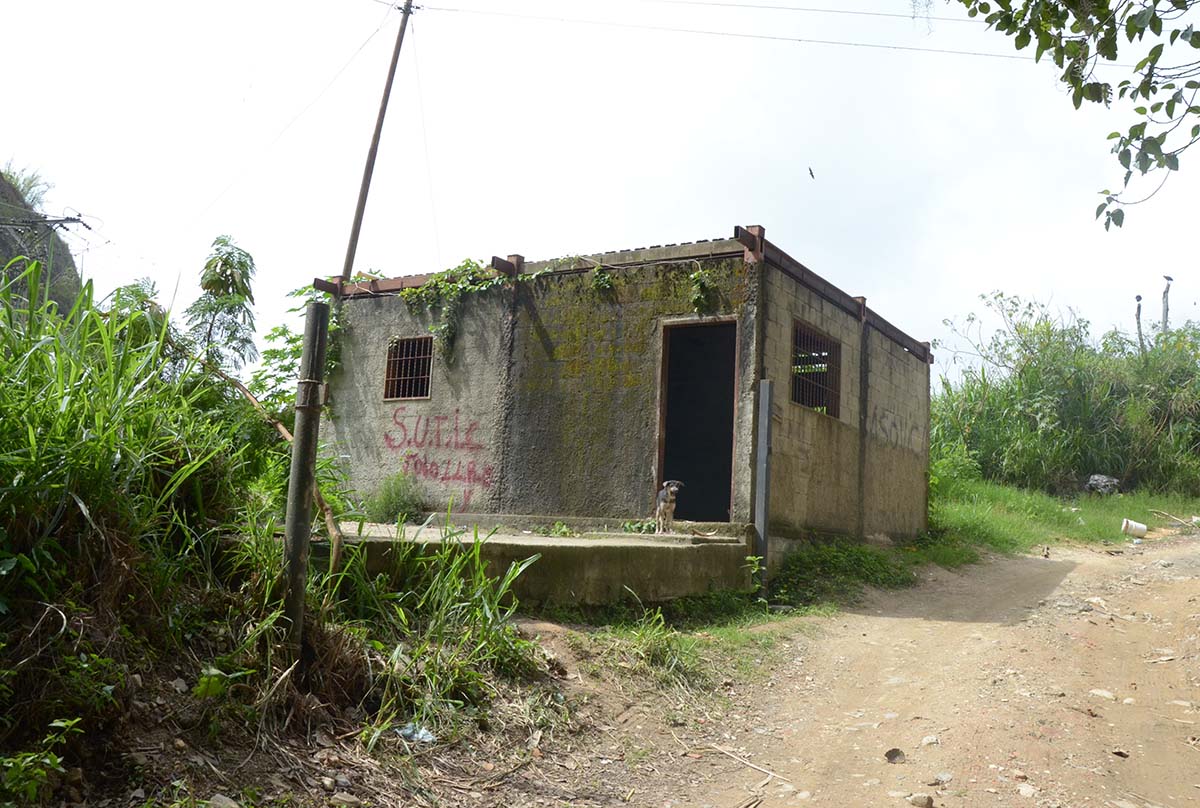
point(816, 370)
point(409, 362)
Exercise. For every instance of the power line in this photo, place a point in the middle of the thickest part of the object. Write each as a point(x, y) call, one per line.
point(304, 110)
point(730, 34)
point(808, 10)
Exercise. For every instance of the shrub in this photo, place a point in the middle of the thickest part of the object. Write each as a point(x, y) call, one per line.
point(398, 496)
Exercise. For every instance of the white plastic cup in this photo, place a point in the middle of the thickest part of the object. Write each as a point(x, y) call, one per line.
point(1132, 528)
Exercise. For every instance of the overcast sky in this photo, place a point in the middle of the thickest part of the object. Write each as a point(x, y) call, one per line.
point(938, 177)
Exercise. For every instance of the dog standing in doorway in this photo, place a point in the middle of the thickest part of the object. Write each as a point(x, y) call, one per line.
point(664, 506)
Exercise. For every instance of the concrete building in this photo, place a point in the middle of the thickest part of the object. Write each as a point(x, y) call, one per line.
point(574, 387)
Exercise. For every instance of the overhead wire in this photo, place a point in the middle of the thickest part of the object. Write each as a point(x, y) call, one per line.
point(249, 166)
point(811, 10)
point(728, 34)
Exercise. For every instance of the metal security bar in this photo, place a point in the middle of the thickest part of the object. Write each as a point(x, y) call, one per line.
point(409, 362)
point(816, 370)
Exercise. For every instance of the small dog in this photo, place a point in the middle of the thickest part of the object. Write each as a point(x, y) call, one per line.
point(664, 507)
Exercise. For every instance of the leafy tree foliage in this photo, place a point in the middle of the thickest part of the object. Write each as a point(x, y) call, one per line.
point(221, 321)
point(1156, 40)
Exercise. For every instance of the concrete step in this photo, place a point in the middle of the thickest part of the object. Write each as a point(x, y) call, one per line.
point(542, 524)
point(669, 538)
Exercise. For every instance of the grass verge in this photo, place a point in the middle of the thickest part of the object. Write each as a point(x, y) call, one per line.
point(1013, 520)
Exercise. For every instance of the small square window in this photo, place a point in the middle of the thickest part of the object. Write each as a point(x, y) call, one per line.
point(816, 370)
point(409, 362)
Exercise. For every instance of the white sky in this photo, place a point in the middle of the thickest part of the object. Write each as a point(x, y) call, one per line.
point(938, 177)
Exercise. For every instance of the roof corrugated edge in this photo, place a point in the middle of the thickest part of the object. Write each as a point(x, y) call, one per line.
point(688, 250)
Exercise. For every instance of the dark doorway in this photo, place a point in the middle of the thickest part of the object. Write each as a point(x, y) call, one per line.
point(698, 423)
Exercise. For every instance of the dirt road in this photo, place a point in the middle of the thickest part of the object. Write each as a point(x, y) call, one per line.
point(1067, 681)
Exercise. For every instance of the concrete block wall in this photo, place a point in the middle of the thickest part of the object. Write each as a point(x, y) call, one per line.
point(551, 402)
point(586, 386)
point(449, 441)
point(897, 467)
point(814, 457)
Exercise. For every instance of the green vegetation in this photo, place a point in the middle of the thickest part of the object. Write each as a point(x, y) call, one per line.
point(1157, 38)
point(602, 280)
point(220, 322)
point(703, 296)
point(140, 502)
point(30, 184)
point(638, 526)
point(1007, 519)
point(398, 497)
point(1049, 405)
point(559, 529)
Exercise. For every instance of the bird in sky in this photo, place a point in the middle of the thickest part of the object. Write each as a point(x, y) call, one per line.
point(810, 173)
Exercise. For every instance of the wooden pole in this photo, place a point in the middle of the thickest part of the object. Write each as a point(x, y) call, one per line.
point(298, 525)
point(365, 187)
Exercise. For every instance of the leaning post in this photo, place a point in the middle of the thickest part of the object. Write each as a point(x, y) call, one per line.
point(762, 477)
point(298, 525)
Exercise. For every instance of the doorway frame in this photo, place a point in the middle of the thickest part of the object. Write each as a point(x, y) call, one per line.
point(695, 321)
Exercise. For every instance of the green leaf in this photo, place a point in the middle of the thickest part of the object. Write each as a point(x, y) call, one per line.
point(1100, 209)
point(1023, 40)
point(1172, 161)
point(1118, 217)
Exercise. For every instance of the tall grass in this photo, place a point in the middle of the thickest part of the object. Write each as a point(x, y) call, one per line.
point(139, 513)
point(1049, 405)
point(109, 463)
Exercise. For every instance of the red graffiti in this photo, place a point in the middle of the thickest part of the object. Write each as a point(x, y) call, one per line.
point(442, 441)
point(470, 474)
point(431, 432)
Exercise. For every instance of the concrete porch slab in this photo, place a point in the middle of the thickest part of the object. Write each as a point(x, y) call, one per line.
point(586, 570)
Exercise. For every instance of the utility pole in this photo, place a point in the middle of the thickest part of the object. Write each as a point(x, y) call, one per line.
point(298, 522)
point(1166, 309)
point(365, 187)
point(1138, 317)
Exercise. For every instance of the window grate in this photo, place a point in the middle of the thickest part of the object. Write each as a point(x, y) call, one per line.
point(816, 370)
point(409, 363)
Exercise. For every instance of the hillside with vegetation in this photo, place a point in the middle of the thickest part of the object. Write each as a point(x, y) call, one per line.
point(142, 488)
point(25, 232)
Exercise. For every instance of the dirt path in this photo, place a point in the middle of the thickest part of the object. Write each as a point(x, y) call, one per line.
point(1068, 681)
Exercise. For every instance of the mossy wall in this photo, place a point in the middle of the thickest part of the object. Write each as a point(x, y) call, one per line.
point(587, 368)
point(557, 380)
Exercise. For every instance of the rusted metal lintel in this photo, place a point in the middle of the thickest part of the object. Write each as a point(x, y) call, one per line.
point(753, 238)
point(512, 266)
point(329, 287)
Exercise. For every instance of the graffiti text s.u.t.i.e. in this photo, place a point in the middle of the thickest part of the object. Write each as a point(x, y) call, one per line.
point(431, 432)
point(440, 449)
